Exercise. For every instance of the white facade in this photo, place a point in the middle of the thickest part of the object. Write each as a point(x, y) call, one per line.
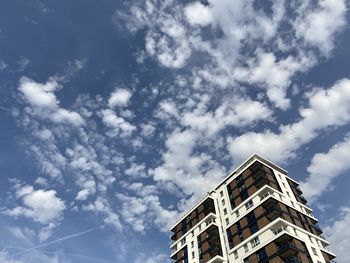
point(226, 216)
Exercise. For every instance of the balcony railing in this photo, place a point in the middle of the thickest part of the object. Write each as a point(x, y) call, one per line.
point(317, 228)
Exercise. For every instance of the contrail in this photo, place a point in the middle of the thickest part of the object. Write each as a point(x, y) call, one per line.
point(5, 109)
point(54, 253)
point(56, 240)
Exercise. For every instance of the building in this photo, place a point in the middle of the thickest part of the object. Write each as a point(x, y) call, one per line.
point(256, 214)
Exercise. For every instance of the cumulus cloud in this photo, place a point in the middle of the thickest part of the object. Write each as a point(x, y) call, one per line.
point(338, 237)
point(44, 103)
point(118, 125)
point(120, 97)
point(249, 51)
point(283, 145)
point(191, 172)
point(102, 206)
point(318, 26)
point(197, 13)
point(325, 167)
point(237, 112)
point(143, 212)
point(42, 206)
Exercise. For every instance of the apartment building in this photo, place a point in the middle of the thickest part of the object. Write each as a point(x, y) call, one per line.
point(256, 214)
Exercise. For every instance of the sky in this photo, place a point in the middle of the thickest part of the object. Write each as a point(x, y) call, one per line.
point(117, 116)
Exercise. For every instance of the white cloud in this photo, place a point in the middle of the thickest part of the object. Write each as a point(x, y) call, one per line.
point(191, 172)
point(283, 145)
point(46, 232)
point(102, 206)
point(197, 13)
point(141, 212)
point(318, 26)
point(40, 205)
point(325, 167)
point(44, 103)
point(275, 75)
point(136, 170)
point(120, 97)
point(118, 125)
point(37, 94)
point(338, 235)
point(232, 112)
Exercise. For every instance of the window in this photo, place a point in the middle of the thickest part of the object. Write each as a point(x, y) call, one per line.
point(192, 244)
point(278, 230)
point(253, 228)
point(233, 205)
point(246, 249)
point(314, 251)
point(223, 201)
point(244, 195)
point(221, 193)
point(255, 242)
point(227, 221)
point(246, 260)
point(237, 213)
point(193, 254)
point(240, 235)
point(200, 228)
point(192, 233)
point(288, 194)
point(249, 204)
point(183, 241)
point(251, 218)
point(292, 203)
point(261, 255)
point(239, 179)
point(284, 185)
point(225, 211)
point(235, 254)
point(242, 187)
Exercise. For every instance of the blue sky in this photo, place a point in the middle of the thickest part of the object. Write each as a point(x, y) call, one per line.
point(117, 116)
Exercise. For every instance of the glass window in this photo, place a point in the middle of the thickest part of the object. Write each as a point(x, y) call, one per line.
point(242, 187)
point(235, 254)
point(223, 201)
point(249, 204)
point(244, 195)
point(253, 228)
point(255, 242)
point(261, 255)
point(239, 179)
point(221, 193)
point(225, 211)
point(246, 249)
point(183, 241)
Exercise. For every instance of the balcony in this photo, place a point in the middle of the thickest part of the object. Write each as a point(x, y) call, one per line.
point(298, 190)
point(302, 199)
point(273, 211)
point(318, 229)
point(287, 250)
